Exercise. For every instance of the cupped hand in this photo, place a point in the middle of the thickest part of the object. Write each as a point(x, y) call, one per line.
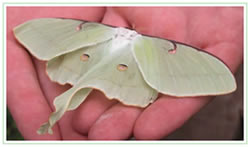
point(30, 93)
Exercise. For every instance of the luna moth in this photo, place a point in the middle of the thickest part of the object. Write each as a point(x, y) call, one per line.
point(123, 64)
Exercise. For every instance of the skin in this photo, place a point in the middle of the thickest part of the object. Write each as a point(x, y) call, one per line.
point(30, 93)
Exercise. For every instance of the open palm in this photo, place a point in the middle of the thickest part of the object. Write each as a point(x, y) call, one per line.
point(30, 93)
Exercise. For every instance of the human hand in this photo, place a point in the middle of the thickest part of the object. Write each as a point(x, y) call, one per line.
point(216, 30)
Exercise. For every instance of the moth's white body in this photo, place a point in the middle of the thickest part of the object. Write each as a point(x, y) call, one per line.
point(124, 33)
point(123, 38)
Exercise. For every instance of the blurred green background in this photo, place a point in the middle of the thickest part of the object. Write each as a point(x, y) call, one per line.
point(12, 131)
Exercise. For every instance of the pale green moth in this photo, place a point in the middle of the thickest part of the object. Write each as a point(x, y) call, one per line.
point(120, 62)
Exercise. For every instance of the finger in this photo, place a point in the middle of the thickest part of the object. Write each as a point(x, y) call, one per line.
point(52, 90)
point(115, 124)
point(67, 129)
point(166, 115)
point(89, 111)
point(25, 99)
